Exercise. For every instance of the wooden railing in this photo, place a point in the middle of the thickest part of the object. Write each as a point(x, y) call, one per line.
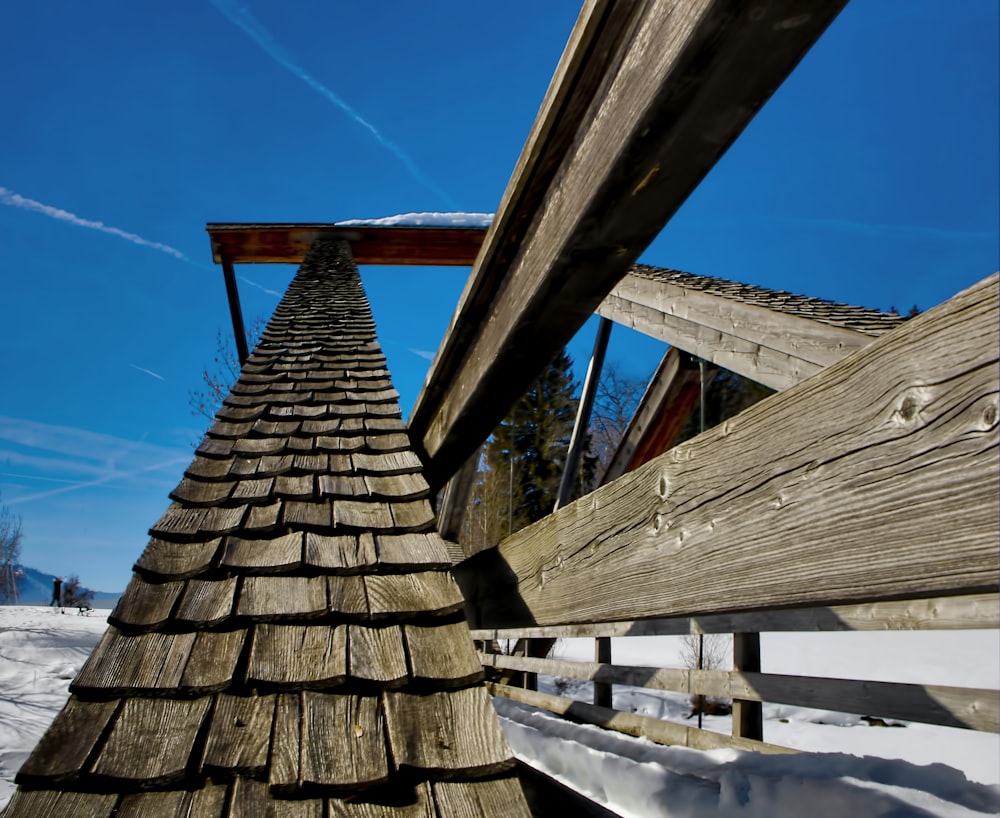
point(969, 708)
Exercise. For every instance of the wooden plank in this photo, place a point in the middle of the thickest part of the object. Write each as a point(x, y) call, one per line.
point(656, 730)
point(151, 740)
point(367, 516)
point(240, 735)
point(426, 592)
point(771, 367)
point(150, 662)
point(480, 799)
point(412, 552)
point(295, 657)
point(969, 708)
point(457, 492)
point(370, 244)
point(206, 602)
point(254, 799)
point(211, 666)
point(267, 555)
point(271, 598)
point(377, 655)
point(343, 741)
point(48, 802)
point(64, 748)
point(412, 516)
point(399, 801)
point(350, 553)
point(969, 612)
point(208, 802)
point(145, 605)
point(397, 487)
point(443, 653)
point(449, 733)
point(665, 406)
point(763, 511)
point(673, 91)
point(177, 560)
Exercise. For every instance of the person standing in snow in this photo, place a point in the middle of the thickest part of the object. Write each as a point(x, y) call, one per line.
point(56, 592)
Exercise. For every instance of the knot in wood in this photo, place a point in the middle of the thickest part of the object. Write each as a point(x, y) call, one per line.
point(990, 415)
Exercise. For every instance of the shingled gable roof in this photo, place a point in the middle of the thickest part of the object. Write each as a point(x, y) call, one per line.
point(291, 642)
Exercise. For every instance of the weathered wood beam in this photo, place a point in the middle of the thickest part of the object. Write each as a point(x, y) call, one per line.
point(656, 730)
point(646, 100)
point(875, 480)
point(661, 414)
point(969, 612)
point(370, 244)
point(965, 707)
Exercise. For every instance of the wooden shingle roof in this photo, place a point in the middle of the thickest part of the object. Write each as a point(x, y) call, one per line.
point(291, 642)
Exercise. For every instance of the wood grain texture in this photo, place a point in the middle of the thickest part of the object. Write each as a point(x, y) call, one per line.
point(270, 598)
point(412, 552)
point(368, 516)
point(400, 802)
point(151, 740)
point(37, 803)
point(968, 612)
point(765, 511)
point(64, 748)
point(253, 799)
point(968, 708)
point(446, 733)
point(343, 741)
point(298, 656)
point(240, 734)
point(397, 487)
point(660, 732)
point(283, 766)
point(212, 664)
point(206, 602)
point(426, 592)
point(207, 802)
point(442, 653)
point(348, 596)
point(377, 655)
point(480, 799)
point(177, 560)
point(266, 555)
point(145, 605)
point(675, 91)
point(347, 553)
point(415, 515)
point(151, 662)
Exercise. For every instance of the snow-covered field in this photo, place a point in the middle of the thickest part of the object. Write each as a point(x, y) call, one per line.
point(41, 651)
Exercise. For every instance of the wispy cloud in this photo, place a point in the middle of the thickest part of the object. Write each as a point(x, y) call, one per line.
point(260, 287)
point(54, 453)
point(149, 372)
point(422, 353)
point(12, 199)
point(898, 231)
point(243, 18)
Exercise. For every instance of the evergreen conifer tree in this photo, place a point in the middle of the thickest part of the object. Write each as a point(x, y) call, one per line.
point(523, 460)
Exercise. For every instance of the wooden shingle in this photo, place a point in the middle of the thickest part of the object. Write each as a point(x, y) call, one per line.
point(427, 592)
point(282, 597)
point(347, 553)
point(298, 656)
point(177, 560)
point(377, 655)
point(239, 737)
point(205, 603)
point(265, 555)
point(68, 743)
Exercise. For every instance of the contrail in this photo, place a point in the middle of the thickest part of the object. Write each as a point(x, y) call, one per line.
point(91, 483)
point(148, 372)
point(261, 287)
point(244, 19)
point(9, 197)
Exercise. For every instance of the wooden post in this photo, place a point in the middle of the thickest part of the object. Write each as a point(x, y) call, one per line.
point(234, 310)
point(748, 721)
point(583, 413)
point(602, 654)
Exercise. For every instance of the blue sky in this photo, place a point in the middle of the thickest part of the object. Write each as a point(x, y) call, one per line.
point(871, 177)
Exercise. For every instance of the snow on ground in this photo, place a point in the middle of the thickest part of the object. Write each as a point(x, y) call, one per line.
point(850, 768)
point(424, 220)
point(41, 651)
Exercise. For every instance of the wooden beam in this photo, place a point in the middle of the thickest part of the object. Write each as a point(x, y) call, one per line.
point(772, 346)
point(370, 244)
point(964, 707)
point(875, 480)
point(969, 612)
point(661, 414)
point(641, 109)
point(656, 730)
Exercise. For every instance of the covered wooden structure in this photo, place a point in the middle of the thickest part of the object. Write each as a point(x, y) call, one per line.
point(292, 629)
